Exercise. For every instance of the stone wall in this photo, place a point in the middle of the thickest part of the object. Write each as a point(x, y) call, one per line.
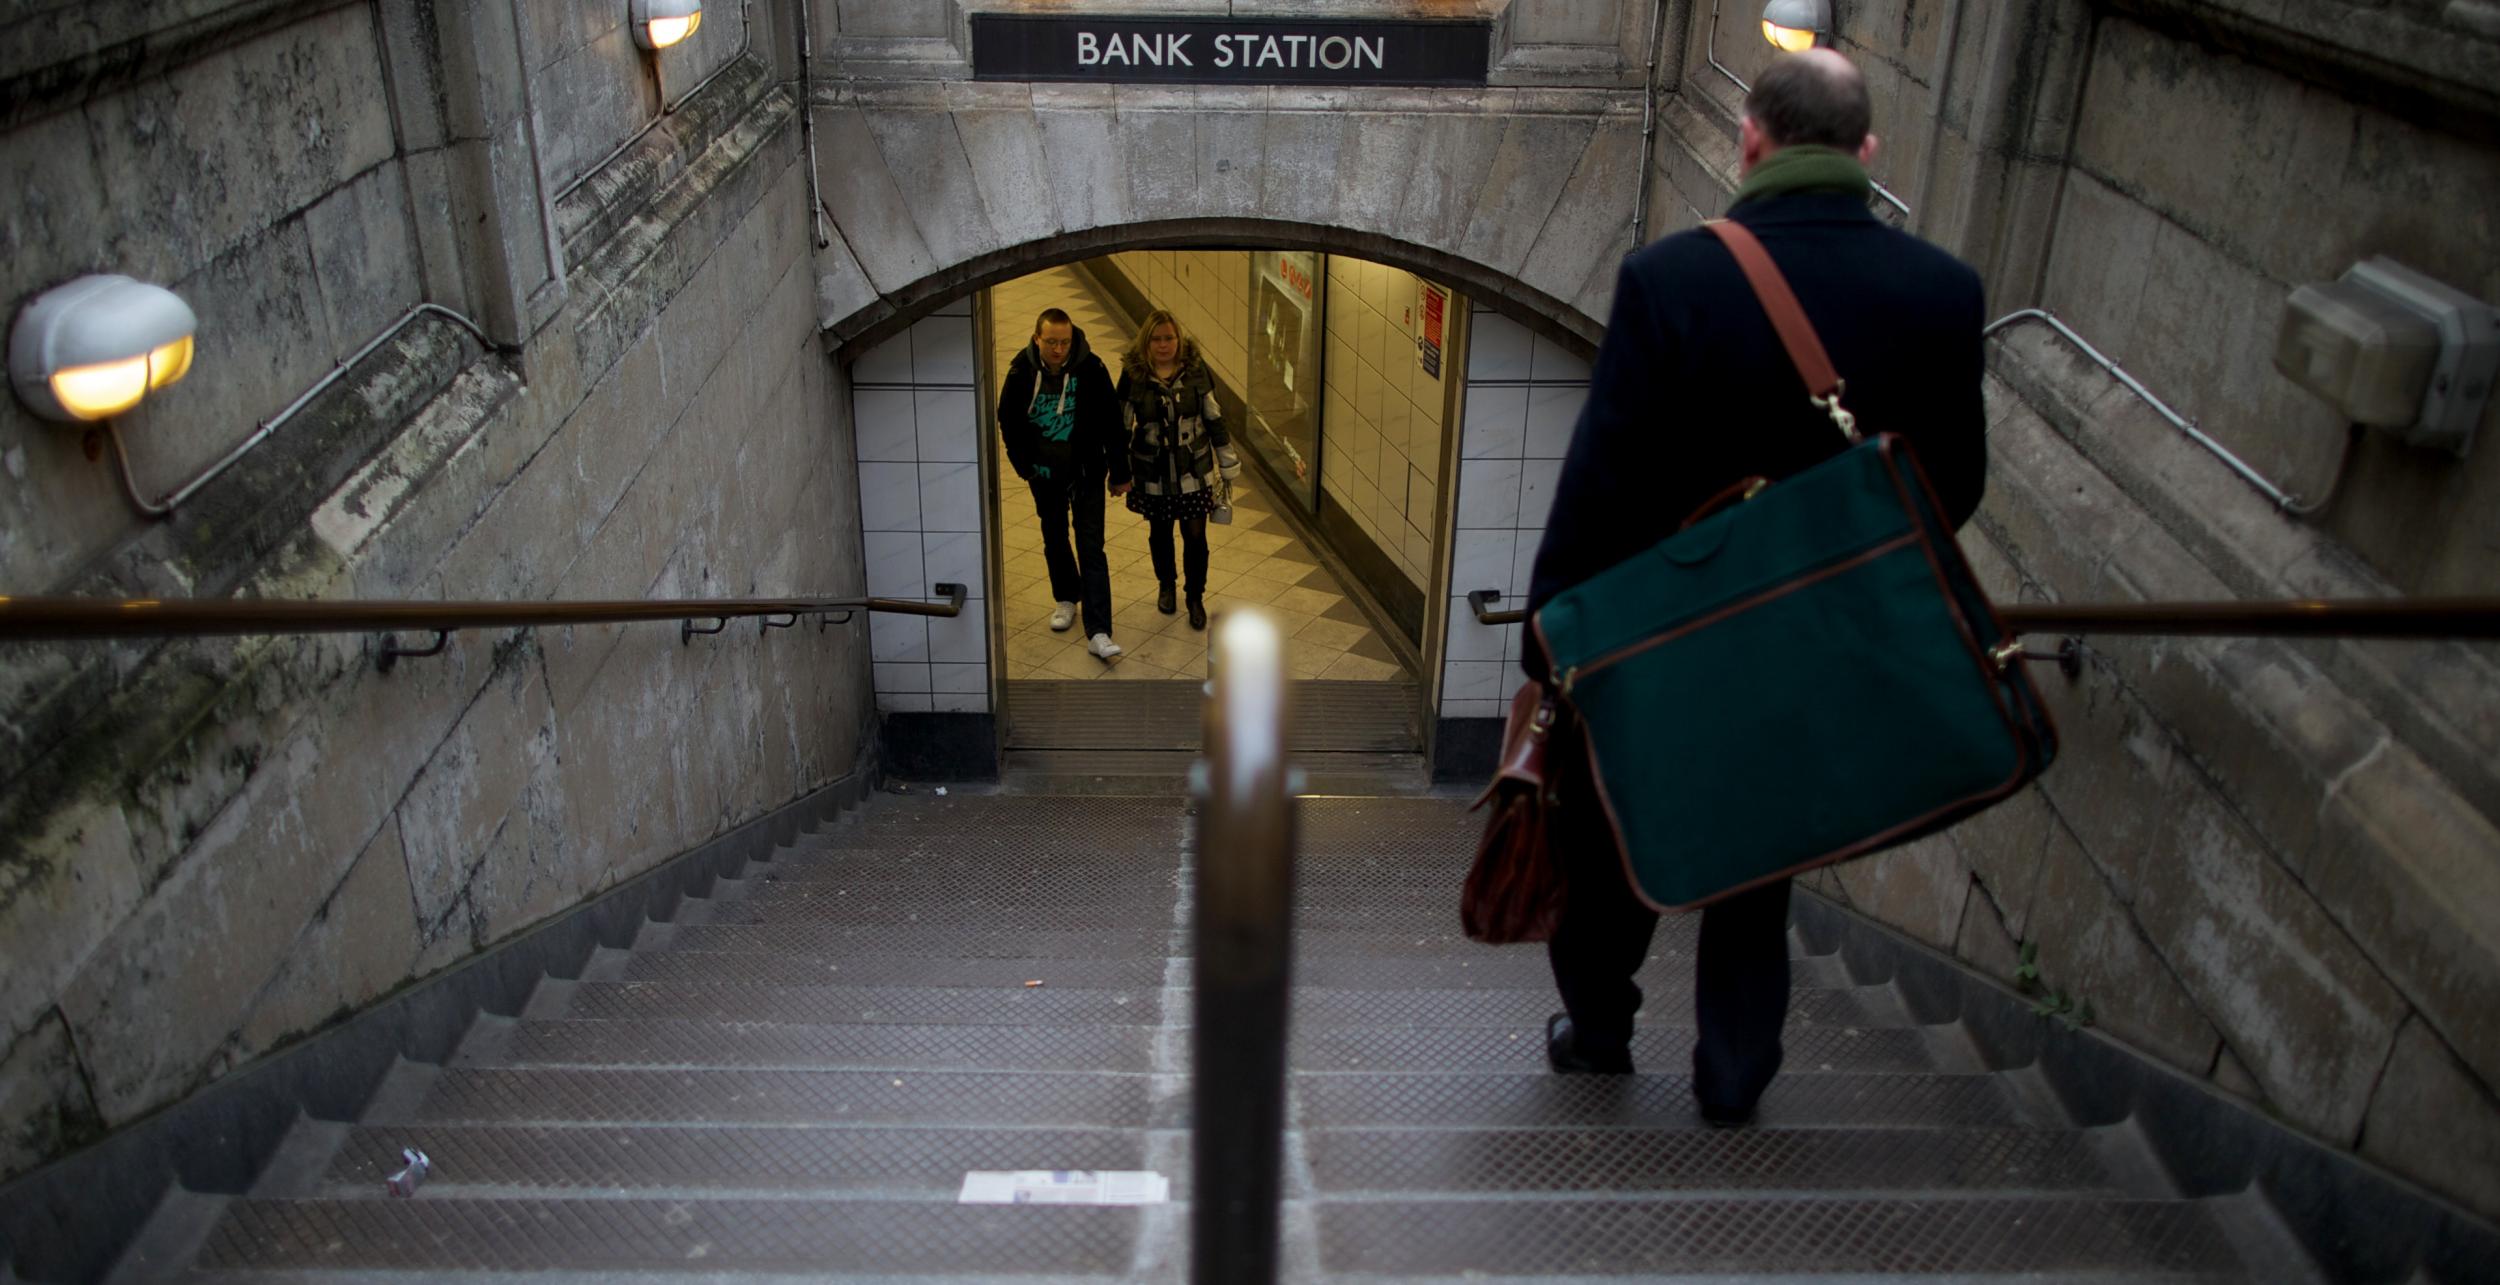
point(2271, 864)
point(212, 849)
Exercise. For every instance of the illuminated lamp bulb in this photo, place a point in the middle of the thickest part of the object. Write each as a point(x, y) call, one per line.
point(92, 349)
point(658, 24)
point(1795, 26)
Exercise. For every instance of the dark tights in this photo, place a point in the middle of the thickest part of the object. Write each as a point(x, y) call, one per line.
point(1193, 550)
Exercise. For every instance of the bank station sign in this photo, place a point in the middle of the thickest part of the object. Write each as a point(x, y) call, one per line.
point(1245, 51)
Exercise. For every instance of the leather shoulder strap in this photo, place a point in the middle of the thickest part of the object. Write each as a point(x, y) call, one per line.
point(1804, 347)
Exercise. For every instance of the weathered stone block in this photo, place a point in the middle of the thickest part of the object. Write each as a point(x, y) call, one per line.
point(1446, 176)
point(1589, 229)
point(1299, 166)
point(2437, 1122)
point(263, 339)
point(2408, 872)
point(467, 787)
point(2091, 950)
point(2005, 847)
point(1007, 159)
point(1157, 134)
point(360, 945)
point(935, 180)
point(65, 889)
point(155, 1008)
point(1526, 177)
point(1920, 889)
point(2309, 1013)
point(1086, 154)
point(294, 117)
point(45, 1109)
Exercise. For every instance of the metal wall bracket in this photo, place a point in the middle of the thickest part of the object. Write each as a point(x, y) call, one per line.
point(391, 652)
point(686, 630)
point(827, 619)
point(767, 622)
point(2068, 657)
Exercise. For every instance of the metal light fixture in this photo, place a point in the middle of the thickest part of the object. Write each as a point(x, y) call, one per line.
point(2396, 350)
point(1796, 25)
point(93, 348)
point(660, 23)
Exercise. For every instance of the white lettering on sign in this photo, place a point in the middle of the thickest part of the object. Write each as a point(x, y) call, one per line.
point(1169, 49)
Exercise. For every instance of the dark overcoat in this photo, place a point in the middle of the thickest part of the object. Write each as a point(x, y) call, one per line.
point(1693, 392)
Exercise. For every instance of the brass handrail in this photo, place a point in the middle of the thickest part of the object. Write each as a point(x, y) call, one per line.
point(1244, 960)
point(40, 619)
point(2295, 618)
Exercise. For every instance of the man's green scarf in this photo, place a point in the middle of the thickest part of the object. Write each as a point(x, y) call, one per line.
point(1805, 168)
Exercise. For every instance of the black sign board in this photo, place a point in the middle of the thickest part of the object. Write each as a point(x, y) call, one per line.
point(1241, 51)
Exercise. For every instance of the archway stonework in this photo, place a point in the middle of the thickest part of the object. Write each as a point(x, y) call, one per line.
point(1521, 201)
point(1520, 198)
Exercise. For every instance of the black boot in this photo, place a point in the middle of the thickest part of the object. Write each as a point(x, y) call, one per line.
point(1163, 599)
point(1197, 612)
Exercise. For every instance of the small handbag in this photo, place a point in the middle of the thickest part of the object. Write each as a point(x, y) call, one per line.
point(1807, 676)
point(1514, 892)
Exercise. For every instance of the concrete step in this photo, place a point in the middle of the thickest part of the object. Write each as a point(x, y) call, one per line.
point(863, 941)
point(1652, 1098)
point(778, 968)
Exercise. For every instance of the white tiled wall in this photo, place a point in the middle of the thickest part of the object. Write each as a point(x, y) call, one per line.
point(1207, 290)
point(1524, 394)
point(920, 510)
point(1381, 429)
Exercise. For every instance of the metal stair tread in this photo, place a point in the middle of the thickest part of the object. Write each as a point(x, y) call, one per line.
point(455, 1233)
point(1686, 1159)
point(1925, 1234)
point(861, 1046)
point(752, 1096)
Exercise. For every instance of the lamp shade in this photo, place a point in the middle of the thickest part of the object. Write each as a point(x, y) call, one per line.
point(660, 23)
point(1796, 25)
point(91, 349)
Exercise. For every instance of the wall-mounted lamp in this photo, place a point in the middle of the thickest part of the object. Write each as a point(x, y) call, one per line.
point(660, 23)
point(2396, 350)
point(1796, 25)
point(91, 349)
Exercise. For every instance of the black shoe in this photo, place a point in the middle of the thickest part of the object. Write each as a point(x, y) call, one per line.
point(1566, 1056)
point(1197, 612)
point(1163, 600)
point(1723, 1118)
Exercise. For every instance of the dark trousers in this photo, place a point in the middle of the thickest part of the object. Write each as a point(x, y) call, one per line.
point(1081, 575)
point(1193, 550)
point(1740, 976)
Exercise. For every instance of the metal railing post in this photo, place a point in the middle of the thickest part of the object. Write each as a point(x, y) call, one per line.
point(1244, 958)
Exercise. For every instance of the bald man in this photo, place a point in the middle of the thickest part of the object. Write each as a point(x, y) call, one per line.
point(1692, 392)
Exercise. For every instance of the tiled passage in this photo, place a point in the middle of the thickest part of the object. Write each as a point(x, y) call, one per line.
point(1254, 561)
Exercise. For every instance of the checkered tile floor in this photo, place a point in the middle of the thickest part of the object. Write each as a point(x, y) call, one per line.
point(1254, 561)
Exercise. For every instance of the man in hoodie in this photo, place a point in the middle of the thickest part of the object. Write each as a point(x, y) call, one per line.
point(1061, 422)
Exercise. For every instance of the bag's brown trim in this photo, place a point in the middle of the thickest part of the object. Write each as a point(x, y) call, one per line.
point(1742, 605)
point(1999, 681)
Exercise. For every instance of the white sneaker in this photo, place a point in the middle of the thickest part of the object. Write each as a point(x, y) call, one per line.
point(1102, 646)
point(1062, 616)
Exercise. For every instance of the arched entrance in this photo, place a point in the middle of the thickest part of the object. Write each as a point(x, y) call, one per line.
point(1404, 433)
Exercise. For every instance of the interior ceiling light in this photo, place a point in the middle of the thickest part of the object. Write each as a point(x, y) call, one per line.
point(93, 348)
point(660, 23)
point(1796, 25)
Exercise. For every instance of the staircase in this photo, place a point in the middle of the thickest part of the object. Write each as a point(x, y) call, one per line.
point(793, 1077)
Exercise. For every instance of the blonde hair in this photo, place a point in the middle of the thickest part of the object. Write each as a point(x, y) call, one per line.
point(1185, 348)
